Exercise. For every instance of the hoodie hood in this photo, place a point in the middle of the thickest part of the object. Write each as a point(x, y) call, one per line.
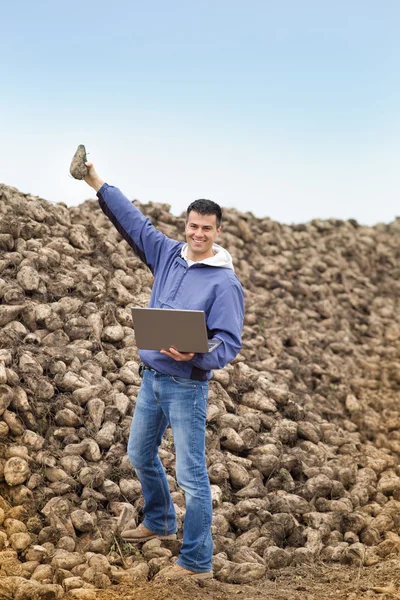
point(221, 258)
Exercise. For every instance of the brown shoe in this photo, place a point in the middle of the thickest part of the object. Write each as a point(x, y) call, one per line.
point(177, 572)
point(142, 534)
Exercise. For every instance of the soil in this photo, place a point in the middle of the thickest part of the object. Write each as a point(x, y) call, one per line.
point(311, 582)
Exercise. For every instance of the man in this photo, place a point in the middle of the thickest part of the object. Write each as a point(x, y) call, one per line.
point(196, 275)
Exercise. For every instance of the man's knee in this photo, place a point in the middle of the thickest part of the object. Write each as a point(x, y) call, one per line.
point(193, 477)
point(137, 458)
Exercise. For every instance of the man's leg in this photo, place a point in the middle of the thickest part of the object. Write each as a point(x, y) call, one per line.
point(148, 426)
point(186, 403)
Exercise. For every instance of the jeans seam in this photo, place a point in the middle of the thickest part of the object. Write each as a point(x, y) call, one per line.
point(158, 474)
point(203, 515)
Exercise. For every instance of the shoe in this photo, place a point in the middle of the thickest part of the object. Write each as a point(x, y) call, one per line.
point(142, 534)
point(177, 572)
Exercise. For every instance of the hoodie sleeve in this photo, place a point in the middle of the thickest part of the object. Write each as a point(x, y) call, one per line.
point(225, 320)
point(146, 241)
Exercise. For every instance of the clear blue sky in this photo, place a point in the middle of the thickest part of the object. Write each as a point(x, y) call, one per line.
point(287, 109)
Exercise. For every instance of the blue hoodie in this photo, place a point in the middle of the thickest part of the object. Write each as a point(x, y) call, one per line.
point(202, 286)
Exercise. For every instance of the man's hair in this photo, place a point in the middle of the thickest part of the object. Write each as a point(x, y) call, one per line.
point(205, 207)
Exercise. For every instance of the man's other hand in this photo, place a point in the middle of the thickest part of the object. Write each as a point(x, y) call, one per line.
point(92, 178)
point(179, 356)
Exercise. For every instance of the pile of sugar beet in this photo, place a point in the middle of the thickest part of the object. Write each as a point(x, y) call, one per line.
point(303, 434)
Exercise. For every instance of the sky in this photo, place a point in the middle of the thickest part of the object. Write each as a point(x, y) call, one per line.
point(289, 109)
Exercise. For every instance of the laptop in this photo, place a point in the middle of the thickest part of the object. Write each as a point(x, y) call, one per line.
point(161, 328)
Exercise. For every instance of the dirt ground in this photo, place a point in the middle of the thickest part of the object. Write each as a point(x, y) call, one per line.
point(316, 582)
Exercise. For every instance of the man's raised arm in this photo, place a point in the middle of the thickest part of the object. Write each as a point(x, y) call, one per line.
point(146, 241)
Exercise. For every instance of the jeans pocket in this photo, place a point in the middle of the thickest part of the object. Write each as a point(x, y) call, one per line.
point(183, 381)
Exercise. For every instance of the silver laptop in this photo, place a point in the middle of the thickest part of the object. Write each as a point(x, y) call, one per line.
point(161, 328)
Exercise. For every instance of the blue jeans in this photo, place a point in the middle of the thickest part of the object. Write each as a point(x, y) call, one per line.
point(182, 403)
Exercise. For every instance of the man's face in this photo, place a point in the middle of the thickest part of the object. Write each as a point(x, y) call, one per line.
point(201, 232)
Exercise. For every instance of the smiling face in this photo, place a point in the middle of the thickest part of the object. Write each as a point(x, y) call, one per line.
point(201, 232)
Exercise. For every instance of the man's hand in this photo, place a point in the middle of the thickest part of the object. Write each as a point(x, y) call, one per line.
point(179, 356)
point(92, 178)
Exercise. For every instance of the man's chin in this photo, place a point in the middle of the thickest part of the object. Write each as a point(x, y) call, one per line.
point(198, 249)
